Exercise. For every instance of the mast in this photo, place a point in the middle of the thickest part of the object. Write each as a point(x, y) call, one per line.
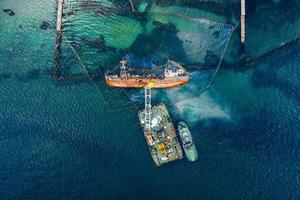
point(123, 67)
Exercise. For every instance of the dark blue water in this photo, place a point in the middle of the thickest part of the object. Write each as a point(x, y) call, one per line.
point(59, 140)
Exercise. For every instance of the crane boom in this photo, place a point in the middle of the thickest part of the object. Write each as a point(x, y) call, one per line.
point(147, 109)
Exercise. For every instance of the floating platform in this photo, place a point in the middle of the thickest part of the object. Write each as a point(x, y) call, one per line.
point(162, 140)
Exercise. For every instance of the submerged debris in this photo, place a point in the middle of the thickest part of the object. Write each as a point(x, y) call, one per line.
point(9, 12)
point(4, 76)
point(216, 34)
point(45, 25)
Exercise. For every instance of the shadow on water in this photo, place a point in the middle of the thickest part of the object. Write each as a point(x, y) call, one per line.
point(162, 40)
point(46, 25)
point(98, 44)
point(276, 70)
point(28, 76)
point(5, 76)
point(268, 78)
point(33, 75)
point(291, 7)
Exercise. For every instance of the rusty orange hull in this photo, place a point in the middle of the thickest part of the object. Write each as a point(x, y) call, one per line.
point(142, 82)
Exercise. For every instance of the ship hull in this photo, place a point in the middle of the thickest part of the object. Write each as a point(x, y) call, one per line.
point(190, 150)
point(142, 82)
point(191, 153)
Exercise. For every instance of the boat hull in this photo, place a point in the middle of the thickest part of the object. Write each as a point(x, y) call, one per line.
point(187, 142)
point(142, 82)
point(191, 153)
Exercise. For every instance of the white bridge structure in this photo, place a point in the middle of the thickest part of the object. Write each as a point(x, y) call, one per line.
point(148, 106)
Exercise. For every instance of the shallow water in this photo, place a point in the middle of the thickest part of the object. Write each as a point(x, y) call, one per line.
point(58, 140)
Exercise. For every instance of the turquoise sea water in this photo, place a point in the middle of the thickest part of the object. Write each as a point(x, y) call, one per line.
point(58, 140)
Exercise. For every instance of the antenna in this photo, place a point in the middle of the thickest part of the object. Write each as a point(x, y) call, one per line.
point(123, 67)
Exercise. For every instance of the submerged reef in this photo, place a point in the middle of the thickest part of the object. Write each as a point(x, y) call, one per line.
point(9, 12)
point(45, 25)
point(154, 41)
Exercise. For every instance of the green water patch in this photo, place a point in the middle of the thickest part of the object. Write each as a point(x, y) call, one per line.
point(118, 31)
point(142, 6)
point(77, 59)
point(180, 34)
point(154, 41)
point(273, 83)
point(177, 32)
point(185, 12)
point(149, 26)
point(197, 35)
point(24, 46)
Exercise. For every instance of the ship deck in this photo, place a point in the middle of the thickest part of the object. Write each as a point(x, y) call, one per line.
point(162, 141)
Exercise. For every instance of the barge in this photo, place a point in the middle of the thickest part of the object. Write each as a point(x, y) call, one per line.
point(161, 139)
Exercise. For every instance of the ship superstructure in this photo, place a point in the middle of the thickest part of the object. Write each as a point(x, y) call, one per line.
point(169, 75)
point(161, 138)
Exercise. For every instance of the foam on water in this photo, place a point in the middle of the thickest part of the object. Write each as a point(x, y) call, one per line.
point(196, 108)
point(195, 104)
point(160, 12)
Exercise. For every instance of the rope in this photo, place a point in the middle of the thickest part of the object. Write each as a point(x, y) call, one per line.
point(93, 82)
point(160, 46)
point(218, 67)
point(221, 60)
point(108, 108)
point(132, 5)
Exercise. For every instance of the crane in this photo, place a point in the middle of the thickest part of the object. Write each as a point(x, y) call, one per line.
point(148, 106)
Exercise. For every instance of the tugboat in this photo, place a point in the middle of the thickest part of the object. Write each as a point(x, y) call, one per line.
point(187, 141)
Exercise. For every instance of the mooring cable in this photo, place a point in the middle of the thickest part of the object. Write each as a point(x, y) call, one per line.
point(107, 106)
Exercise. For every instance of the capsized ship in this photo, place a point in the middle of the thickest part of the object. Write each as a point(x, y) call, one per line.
point(169, 75)
point(187, 141)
